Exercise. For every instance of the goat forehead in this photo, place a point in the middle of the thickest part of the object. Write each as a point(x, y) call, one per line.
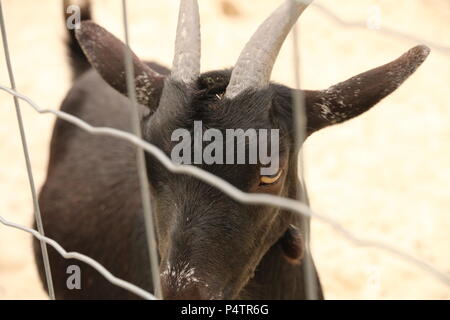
point(161, 133)
point(215, 114)
point(251, 109)
point(240, 175)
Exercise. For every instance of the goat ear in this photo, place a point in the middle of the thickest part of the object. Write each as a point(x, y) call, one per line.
point(350, 98)
point(106, 54)
point(292, 245)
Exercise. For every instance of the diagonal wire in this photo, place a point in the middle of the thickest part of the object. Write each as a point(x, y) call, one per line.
point(37, 212)
point(299, 112)
point(385, 30)
point(140, 161)
point(81, 257)
point(236, 194)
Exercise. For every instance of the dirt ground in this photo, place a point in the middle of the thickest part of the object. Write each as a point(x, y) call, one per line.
point(384, 175)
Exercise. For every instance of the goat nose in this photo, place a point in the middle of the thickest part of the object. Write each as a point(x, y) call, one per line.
point(189, 291)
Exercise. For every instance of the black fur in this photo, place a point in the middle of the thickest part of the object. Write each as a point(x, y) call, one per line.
point(210, 246)
point(77, 58)
point(81, 179)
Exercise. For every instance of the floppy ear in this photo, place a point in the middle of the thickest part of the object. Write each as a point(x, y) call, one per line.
point(292, 245)
point(350, 98)
point(106, 54)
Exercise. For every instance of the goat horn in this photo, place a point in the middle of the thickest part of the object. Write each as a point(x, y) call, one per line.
point(186, 62)
point(254, 66)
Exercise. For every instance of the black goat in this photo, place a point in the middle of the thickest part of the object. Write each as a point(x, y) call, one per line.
point(210, 247)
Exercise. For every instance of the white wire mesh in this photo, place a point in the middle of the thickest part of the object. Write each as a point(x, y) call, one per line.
point(81, 257)
point(234, 193)
point(292, 205)
point(37, 212)
point(140, 162)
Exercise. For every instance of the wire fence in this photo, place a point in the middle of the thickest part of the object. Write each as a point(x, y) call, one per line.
point(37, 212)
point(140, 161)
point(299, 206)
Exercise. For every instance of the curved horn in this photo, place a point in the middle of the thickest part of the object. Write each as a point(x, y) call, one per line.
point(254, 66)
point(186, 62)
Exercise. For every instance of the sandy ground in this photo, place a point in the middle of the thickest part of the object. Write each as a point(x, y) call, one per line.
point(384, 175)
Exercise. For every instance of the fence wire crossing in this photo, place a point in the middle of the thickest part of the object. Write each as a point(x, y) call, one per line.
point(299, 207)
point(81, 257)
point(140, 161)
point(236, 194)
point(37, 211)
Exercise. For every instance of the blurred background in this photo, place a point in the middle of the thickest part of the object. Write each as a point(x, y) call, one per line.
point(385, 175)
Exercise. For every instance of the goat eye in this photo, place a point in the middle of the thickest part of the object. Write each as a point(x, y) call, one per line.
point(267, 180)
